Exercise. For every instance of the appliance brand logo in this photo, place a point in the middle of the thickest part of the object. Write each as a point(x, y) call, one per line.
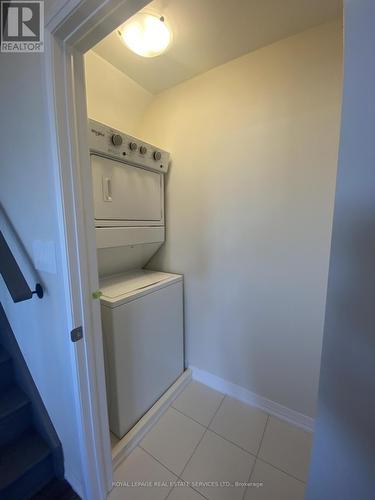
point(22, 26)
point(97, 133)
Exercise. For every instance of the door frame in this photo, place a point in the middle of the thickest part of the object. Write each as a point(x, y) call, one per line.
point(72, 31)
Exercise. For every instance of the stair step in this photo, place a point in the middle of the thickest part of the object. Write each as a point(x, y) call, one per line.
point(15, 414)
point(4, 356)
point(26, 466)
point(58, 490)
point(6, 369)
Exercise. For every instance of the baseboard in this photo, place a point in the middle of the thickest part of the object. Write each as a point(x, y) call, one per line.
point(246, 396)
point(124, 447)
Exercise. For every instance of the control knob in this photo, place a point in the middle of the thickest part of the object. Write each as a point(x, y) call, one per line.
point(133, 146)
point(157, 155)
point(116, 140)
point(143, 150)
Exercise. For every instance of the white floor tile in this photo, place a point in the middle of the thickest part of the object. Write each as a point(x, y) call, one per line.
point(287, 448)
point(276, 484)
point(198, 402)
point(217, 460)
point(184, 493)
point(140, 467)
point(173, 439)
point(240, 423)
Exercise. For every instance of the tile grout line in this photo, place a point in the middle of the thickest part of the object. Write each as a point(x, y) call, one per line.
point(264, 432)
point(157, 460)
point(269, 463)
point(178, 476)
point(207, 428)
point(281, 470)
point(200, 423)
point(160, 463)
point(218, 408)
point(248, 480)
point(205, 432)
point(220, 435)
point(188, 416)
point(256, 457)
point(232, 442)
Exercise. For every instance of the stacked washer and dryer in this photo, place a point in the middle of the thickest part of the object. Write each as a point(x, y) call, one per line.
point(142, 310)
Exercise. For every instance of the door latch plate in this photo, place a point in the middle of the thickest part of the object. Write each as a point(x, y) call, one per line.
point(76, 334)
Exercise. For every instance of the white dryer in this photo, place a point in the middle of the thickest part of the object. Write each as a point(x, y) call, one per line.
point(142, 311)
point(128, 189)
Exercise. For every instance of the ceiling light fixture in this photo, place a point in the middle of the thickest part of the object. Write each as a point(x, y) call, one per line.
point(146, 35)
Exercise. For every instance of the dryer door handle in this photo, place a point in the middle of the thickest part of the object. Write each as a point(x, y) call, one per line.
point(107, 189)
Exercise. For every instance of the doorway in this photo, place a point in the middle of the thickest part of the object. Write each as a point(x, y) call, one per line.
point(73, 147)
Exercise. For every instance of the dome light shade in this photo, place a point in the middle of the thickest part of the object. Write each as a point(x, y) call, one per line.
point(146, 35)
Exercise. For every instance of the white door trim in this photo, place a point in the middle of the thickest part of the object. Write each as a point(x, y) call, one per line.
point(71, 32)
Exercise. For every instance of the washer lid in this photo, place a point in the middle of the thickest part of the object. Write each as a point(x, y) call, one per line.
point(115, 287)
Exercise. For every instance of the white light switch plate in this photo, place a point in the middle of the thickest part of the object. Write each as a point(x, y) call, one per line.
point(44, 256)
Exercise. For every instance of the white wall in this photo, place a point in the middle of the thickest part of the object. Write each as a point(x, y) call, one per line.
point(28, 195)
point(112, 97)
point(345, 435)
point(249, 210)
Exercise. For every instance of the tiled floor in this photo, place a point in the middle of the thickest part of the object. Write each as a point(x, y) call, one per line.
point(205, 443)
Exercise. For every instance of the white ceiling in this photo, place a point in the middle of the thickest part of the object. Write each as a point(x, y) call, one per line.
point(207, 33)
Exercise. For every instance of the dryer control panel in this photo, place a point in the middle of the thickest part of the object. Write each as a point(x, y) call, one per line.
point(113, 143)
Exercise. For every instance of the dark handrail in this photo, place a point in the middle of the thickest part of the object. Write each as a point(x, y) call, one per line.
point(13, 277)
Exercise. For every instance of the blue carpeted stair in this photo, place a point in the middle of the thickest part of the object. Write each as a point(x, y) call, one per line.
point(26, 462)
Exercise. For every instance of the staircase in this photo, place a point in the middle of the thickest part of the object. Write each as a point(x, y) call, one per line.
point(31, 455)
point(26, 462)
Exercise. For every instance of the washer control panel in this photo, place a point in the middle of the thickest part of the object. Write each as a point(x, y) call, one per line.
point(114, 143)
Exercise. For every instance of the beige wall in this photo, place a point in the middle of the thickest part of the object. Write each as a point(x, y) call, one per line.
point(249, 205)
point(249, 210)
point(112, 97)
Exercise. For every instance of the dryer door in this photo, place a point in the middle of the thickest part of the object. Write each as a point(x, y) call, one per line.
point(126, 193)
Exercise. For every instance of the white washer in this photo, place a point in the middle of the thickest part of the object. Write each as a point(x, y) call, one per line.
point(142, 316)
